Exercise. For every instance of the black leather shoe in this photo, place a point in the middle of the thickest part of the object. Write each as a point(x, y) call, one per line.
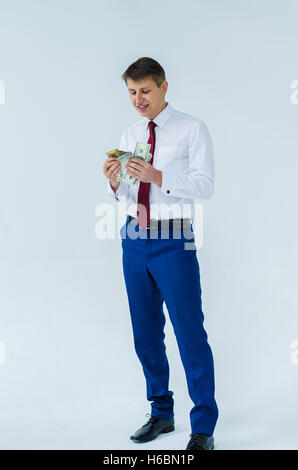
point(200, 442)
point(152, 429)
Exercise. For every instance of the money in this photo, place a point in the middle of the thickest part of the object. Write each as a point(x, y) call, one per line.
point(115, 153)
point(142, 151)
point(122, 174)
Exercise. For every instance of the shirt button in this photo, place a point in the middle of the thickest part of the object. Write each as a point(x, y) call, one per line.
point(168, 191)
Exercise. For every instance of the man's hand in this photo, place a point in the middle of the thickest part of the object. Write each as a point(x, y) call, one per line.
point(110, 169)
point(144, 171)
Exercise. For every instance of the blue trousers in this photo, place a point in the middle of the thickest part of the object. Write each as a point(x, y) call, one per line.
point(158, 270)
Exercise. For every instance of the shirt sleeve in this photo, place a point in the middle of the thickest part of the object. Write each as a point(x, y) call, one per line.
point(124, 187)
point(198, 181)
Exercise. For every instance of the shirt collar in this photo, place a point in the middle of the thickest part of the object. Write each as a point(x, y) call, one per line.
point(162, 117)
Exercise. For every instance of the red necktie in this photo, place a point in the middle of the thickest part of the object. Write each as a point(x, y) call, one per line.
point(143, 210)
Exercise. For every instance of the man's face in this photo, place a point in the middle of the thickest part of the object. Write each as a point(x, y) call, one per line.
point(146, 93)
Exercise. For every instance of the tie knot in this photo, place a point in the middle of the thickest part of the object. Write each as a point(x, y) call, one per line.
point(152, 125)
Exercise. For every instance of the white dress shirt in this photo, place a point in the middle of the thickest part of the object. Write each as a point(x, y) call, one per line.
point(183, 153)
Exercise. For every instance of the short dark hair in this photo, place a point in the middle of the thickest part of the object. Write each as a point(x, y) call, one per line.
point(143, 68)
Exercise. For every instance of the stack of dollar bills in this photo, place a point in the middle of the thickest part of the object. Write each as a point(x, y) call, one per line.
point(141, 151)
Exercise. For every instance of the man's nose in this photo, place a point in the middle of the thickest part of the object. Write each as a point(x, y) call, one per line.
point(139, 98)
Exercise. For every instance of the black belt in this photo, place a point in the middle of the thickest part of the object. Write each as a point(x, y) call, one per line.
point(163, 223)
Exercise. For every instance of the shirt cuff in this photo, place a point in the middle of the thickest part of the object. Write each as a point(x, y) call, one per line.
point(168, 182)
point(121, 191)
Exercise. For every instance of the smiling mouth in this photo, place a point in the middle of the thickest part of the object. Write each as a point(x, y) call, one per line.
point(143, 108)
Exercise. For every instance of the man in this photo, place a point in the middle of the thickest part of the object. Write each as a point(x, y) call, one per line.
point(158, 269)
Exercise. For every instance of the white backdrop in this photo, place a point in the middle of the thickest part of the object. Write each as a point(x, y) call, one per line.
point(70, 378)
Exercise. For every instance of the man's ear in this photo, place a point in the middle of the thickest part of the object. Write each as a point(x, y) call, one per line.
point(165, 86)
